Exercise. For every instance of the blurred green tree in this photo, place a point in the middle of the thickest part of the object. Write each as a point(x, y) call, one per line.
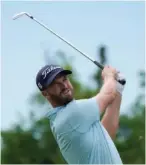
point(36, 144)
point(131, 137)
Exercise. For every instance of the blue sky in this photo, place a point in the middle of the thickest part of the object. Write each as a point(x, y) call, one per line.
point(87, 25)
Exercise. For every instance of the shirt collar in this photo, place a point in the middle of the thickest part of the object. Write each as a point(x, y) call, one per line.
point(53, 111)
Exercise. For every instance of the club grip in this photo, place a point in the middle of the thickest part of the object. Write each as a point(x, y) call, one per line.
point(121, 81)
point(98, 64)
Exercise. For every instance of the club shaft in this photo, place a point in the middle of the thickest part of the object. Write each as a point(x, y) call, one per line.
point(43, 25)
point(123, 81)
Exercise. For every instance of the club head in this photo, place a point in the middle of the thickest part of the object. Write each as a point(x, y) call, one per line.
point(16, 16)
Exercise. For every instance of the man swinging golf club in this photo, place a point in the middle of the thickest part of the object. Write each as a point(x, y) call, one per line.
point(76, 126)
point(81, 136)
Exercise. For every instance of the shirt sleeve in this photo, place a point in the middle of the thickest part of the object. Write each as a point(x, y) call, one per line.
point(83, 114)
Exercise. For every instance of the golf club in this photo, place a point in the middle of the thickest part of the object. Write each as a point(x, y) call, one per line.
point(121, 81)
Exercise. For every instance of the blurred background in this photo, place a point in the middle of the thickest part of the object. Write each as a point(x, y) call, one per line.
point(111, 32)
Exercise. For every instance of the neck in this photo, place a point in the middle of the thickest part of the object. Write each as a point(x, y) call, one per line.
point(54, 104)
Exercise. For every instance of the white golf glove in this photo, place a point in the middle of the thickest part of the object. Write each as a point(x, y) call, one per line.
point(120, 87)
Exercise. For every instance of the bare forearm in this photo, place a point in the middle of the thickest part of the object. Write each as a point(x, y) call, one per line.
point(111, 117)
point(107, 93)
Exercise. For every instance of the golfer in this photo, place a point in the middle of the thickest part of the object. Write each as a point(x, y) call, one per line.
point(75, 124)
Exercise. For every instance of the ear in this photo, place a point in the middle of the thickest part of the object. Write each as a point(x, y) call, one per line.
point(45, 93)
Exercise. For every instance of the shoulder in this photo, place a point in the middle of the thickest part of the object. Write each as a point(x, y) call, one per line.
point(83, 109)
point(87, 103)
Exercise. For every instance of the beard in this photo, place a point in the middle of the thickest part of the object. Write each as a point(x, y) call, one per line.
point(63, 98)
